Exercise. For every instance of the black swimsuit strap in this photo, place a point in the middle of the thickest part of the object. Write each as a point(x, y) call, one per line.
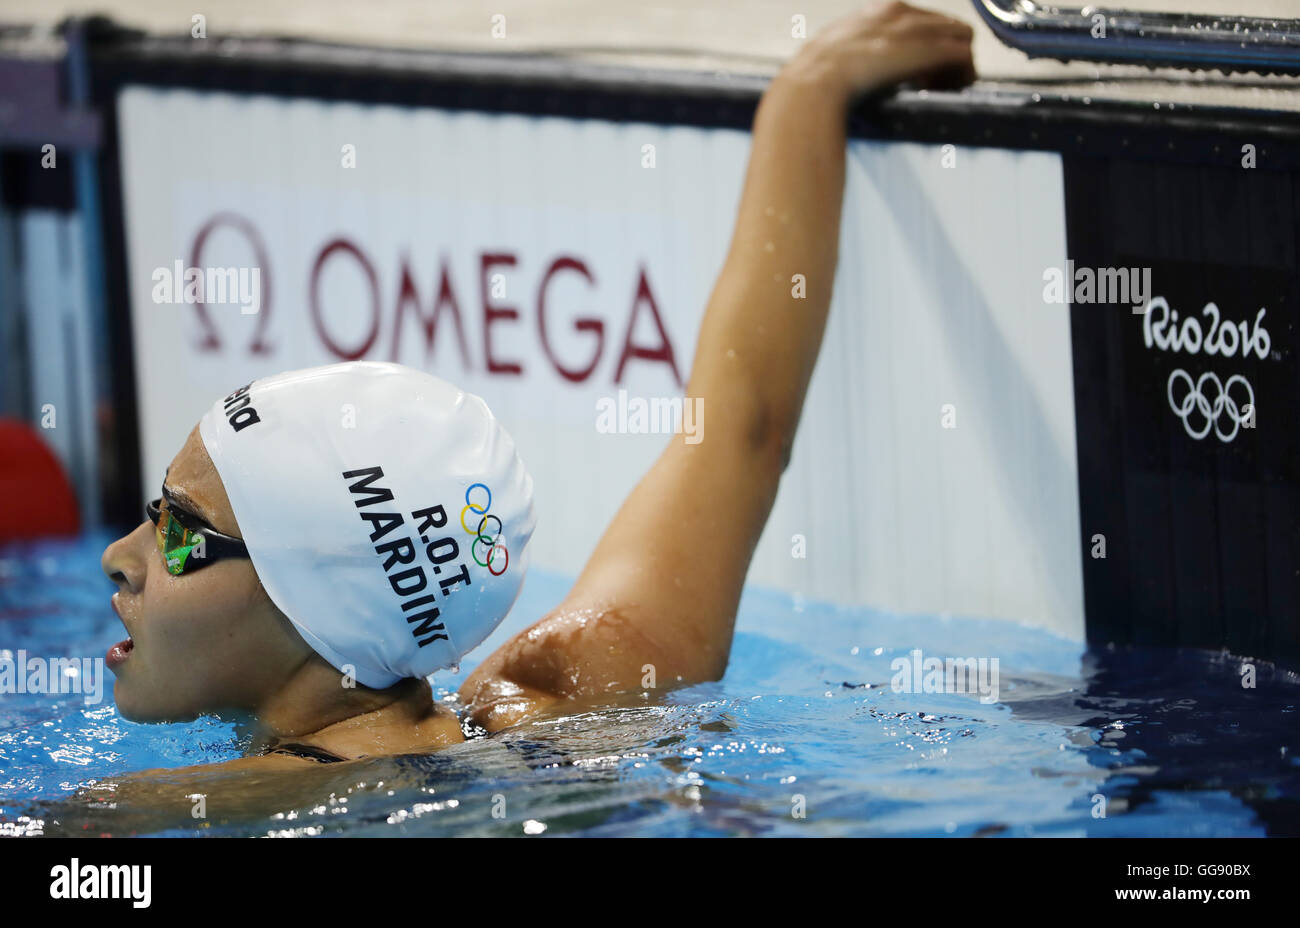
point(308, 751)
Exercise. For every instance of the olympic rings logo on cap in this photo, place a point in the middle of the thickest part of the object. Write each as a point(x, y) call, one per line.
point(491, 541)
point(1223, 403)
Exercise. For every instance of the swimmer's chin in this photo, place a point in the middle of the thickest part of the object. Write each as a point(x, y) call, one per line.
point(134, 709)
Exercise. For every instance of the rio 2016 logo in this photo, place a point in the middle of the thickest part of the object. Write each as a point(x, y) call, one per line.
point(1203, 410)
point(497, 555)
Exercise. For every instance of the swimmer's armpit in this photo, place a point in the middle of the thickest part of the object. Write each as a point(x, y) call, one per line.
point(575, 654)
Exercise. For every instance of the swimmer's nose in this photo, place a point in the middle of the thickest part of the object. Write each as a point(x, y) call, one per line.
point(122, 561)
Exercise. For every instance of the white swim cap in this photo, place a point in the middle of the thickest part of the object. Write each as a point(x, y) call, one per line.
point(385, 511)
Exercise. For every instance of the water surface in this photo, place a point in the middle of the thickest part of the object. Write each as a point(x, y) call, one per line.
point(804, 736)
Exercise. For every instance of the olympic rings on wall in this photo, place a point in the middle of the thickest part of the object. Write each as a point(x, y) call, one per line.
point(1196, 405)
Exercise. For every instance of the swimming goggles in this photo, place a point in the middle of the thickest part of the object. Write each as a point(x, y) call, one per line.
point(187, 547)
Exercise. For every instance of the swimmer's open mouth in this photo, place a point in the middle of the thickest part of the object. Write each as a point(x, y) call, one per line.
point(119, 652)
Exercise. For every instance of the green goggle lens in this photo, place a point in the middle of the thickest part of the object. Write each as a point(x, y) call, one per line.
point(175, 541)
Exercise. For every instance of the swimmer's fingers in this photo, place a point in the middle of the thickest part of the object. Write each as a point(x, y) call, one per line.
point(867, 51)
point(930, 63)
point(886, 20)
point(952, 76)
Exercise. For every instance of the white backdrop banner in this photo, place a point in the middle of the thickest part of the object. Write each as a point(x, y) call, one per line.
point(559, 269)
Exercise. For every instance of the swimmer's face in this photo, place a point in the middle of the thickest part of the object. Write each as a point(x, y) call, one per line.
point(206, 640)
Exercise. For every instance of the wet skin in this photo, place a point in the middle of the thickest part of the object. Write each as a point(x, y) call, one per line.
point(648, 611)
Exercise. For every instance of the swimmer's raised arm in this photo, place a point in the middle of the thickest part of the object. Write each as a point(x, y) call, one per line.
point(655, 605)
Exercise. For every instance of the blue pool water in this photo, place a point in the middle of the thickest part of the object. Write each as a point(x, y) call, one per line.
point(804, 736)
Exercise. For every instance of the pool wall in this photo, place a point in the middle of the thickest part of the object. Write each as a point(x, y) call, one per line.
point(546, 233)
point(398, 259)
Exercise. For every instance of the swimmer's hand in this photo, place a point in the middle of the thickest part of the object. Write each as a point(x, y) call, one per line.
point(876, 48)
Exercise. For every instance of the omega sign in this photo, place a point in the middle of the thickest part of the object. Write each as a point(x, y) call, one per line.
point(1203, 401)
point(443, 308)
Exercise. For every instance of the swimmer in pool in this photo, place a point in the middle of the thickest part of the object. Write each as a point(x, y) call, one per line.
point(279, 573)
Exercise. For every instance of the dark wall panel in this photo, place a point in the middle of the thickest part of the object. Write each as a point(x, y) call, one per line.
point(1200, 511)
